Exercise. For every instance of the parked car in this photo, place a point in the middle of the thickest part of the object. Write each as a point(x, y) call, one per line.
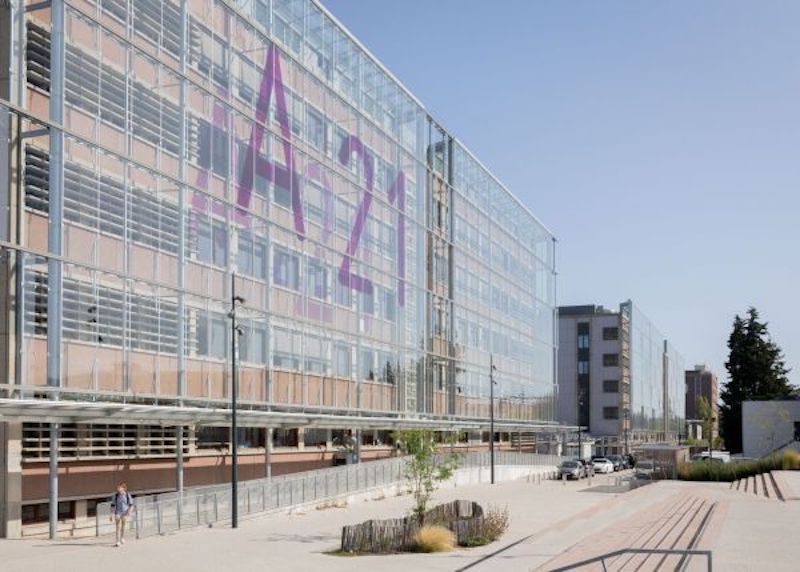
point(603, 465)
point(644, 470)
point(716, 456)
point(619, 464)
point(572, 470)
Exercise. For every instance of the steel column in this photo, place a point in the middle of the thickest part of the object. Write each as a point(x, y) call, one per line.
point(234, 428)
point(491, 417)
point(181, 251)
point(54, 267)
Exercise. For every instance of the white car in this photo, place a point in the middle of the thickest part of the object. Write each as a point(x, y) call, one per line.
point(603, 466)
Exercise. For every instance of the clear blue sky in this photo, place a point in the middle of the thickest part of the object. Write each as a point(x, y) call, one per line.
point(660, 142)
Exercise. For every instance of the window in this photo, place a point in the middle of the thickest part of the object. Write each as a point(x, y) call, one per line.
point(316, 355)
point(91, 506)
point(208, 146)
point(287, 349)
point(610, 360)
point(282, 191)
point(251, 437)
point(212, 335)
point(610, 412)
point(366, 365)
point(388, 305)
point(212, 437)
point(251, 258)
point(253, 344)
point(32, 513)
point(388, 368)
point(317, 130)
point(583, 335)
point(342, 361)
point(610, 386)
point(284, 437)
point(611, 333)
point(344, 295)
point(583, 367)
point(212, 242)
point(317, 280)
point(315, 437)
point(208, 53)
point(286, 269)
point(367, 302)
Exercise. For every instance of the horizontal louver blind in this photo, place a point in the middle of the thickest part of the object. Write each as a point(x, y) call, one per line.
point(98, 202)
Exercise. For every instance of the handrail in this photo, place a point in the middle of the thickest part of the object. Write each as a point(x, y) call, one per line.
point(666, 551)
point(780, 447)
point(206, 505)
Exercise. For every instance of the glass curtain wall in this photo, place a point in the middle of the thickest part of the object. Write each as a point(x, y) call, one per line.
point(381, 264)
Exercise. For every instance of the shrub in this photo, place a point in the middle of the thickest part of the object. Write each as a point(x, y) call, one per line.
point(493, 524)
point(791, 460)
point(710, 471)
point(434, 539)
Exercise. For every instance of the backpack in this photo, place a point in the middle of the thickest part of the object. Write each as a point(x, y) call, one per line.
point(116, 496)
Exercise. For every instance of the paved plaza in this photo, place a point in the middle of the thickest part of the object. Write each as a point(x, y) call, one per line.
point(551, 523)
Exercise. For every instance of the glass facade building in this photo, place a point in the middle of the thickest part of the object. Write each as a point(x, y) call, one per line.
point(159, 153)
point(655, 376)
point(618, 378)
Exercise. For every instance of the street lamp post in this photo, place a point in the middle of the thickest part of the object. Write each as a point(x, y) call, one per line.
point(627, 418)
point(235, 331)
point(492, 369)
point(580, 430)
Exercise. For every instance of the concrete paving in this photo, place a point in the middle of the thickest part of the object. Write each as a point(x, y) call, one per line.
point(547, 520)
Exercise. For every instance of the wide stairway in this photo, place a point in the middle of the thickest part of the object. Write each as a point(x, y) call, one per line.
point(763, 485)
point(676, 523)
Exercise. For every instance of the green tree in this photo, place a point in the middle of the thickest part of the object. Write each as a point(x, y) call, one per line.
point(425, 468)
point(706, 414)
point(756, 371)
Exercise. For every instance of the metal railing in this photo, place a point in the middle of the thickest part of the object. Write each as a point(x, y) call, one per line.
point(649, 551)
point(203, 506)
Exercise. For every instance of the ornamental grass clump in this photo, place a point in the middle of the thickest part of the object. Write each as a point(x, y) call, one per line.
point(434, 539)
point(714, 471)
point(791, 460)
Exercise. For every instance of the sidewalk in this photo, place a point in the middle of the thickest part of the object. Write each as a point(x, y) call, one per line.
point(299, 541)
point(547, 520)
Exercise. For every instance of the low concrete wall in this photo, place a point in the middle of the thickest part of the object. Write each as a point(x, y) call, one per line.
point(462, 477)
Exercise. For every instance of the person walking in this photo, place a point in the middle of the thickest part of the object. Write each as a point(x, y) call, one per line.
point(121, 509)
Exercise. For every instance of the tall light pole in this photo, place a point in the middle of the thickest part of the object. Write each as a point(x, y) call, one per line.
point(580, 429)
point(235, 331)
point(492, 369)
point(626, 420)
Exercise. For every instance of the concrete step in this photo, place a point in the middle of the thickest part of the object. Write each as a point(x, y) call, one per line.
point(636, 530)
point(766, 486)
point(776, 483)
point(763, 485)
point(675, 531)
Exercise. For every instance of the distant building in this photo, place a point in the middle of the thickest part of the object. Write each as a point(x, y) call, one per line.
point(618, 377)
point(701, 382)
point(769, 426)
